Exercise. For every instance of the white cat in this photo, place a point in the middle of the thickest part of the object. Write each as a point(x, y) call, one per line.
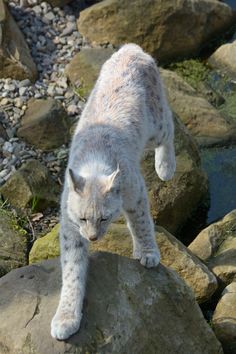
point(126, 110)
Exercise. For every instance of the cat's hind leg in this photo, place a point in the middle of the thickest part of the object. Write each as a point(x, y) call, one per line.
point(165, 163)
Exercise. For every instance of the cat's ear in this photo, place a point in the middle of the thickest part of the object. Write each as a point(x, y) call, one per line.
point(76, 182)
point(113, 181)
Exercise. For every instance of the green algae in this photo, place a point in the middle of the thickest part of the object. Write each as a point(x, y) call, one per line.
point(193, 71)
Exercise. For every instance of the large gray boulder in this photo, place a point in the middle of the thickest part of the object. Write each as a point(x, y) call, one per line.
point(167, 29)
point(15, 59)
point(127, 309)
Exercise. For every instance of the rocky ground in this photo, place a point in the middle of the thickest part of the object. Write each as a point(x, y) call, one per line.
point(51, 57)
point(53, 39)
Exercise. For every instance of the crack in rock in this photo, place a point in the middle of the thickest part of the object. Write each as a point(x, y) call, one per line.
point(36, 311)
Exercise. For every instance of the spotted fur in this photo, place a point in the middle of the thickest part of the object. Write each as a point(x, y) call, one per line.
point(126, 111)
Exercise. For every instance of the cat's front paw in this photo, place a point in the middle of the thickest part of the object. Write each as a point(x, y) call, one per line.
point(63, 325)
point(137, 254)
point(150, 259)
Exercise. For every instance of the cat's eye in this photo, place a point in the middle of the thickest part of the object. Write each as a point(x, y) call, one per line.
point(83, 220)
point(103, 219)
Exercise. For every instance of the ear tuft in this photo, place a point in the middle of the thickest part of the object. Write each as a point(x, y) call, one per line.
point(113, 180)
point(76, 182)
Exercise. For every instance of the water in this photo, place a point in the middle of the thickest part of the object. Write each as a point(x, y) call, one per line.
point(231, 3)
point(220, 165)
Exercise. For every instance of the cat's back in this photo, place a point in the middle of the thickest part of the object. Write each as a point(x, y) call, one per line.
point(122, 89)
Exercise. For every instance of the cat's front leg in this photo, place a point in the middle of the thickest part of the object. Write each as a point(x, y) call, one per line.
point(141, 227)
point(74, 261)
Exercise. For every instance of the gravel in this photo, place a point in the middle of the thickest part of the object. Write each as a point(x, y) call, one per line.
point(53, 39)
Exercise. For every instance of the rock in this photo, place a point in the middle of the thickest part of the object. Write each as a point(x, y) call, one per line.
point(175, 201)
point(224, 59)
point(31, 186)
point(45, 124)
point(46, 247)
point(16, 61)
point(58, 3)
point(84, 68)
point(3, 133)
point(13, 244)
point(117, 306)
point(224, 319)
point(207, 125)
point(177, 257)
point(216, 246)
point(118, 240)
point(173, 255)
point(151, 25)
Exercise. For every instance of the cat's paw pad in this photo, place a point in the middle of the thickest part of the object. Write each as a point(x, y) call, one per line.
point(64, 325)
point(150, 259)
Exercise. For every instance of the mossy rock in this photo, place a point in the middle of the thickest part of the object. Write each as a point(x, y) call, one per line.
point(192, 70)
point(204, 121)
point(31, 187)
point(229, 107)
point(46, 247)
point(13, 243)
point(118, 240)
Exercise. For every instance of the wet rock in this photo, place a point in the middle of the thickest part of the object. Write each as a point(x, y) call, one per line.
point(45, 124)
point(151, 25)
point(134, 296)
point(216, 246)
point(31, 186)
point(13, 243)
point(207, 125)
point(224, 319)
point(16, 61)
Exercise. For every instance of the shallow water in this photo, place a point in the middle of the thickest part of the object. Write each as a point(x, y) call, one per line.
point(231, 3)
point(220, 165)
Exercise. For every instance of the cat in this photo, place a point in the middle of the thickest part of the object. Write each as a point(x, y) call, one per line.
point(127, 109)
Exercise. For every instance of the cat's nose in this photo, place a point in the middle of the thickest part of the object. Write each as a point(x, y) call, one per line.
point(93, 238)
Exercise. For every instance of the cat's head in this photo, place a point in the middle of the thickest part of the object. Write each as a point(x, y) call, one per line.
point(94, 202)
